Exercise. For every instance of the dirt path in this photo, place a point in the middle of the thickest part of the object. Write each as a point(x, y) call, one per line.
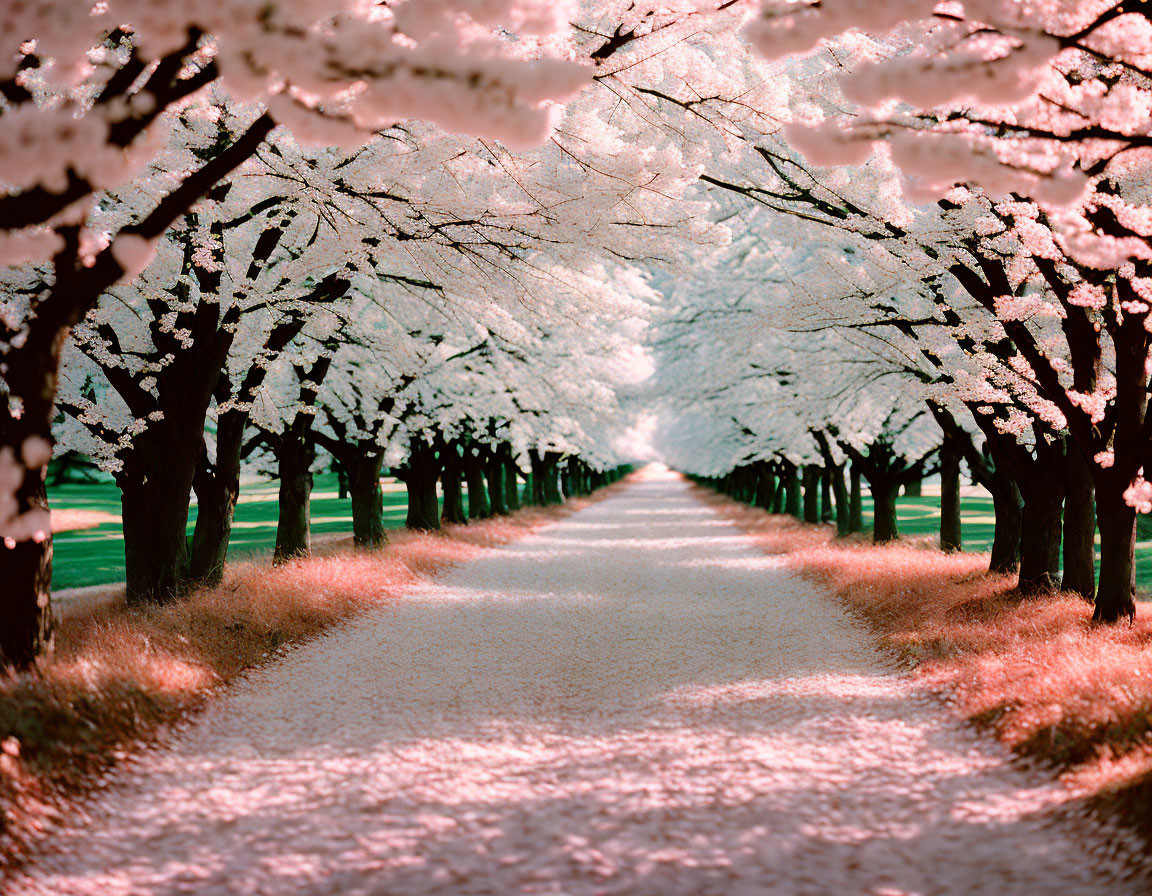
point(632, 701)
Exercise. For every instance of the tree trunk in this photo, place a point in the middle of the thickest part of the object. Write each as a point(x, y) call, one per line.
point(792, 497)
point(420, 479)
point(451, 469)
point(778, 497)
point(367, 499)
point(855, 501)
point(217, 488)
point(478, 506)
point(843, 511)
point(1008, 507)
point(511, 478)
point(884, 494)
point(1079, 525)
point(951, 539)
point(1042, 485)
point(26, 627)
point(811, 493)
point(827, 513)
point(766, 486)
point(494, 470)
point(550, 467)
point(1116, 597)
point(155, 493)
point(294, 455)
point(534, 482)
point(914, 488)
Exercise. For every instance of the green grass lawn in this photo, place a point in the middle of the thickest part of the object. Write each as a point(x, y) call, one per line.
point(921, 516)
point(96, 556)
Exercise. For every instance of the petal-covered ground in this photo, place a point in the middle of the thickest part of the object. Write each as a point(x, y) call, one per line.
point(632, 701)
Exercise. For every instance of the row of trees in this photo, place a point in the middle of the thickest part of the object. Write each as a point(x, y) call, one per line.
point(945, 255)
point(192, 287)
point(945, 219)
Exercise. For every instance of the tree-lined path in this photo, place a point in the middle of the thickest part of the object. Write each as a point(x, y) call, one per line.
point(633, 700)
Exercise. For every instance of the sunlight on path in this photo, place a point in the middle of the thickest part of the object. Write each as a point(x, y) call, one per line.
point(632, 701)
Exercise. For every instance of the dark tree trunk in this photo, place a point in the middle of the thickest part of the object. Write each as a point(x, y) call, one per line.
point(217, 488)
point(294, 456)
point(534, 482)
point(778, 496)
point(26, 628)
point(950, 531)
point(1008, 507)
point(843, 510)
point(494, 470)
point(450, 473)
point(511, 479)
point(420, 479)
point(827, 513)
point(478, 506)
point(1042, 485)
point(914, 488)
point(1116, 597)
point(342, 485)
point(884, 494)
point(811, 493)
point(550, 468)
point(765, 486)
point(855, 501)
point(155, 492)
point(792, 497)
point(367, 499)
point(1079, 525)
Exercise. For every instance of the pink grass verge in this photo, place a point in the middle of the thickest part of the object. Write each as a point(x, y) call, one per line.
point(1033, 671)
point(120, 678)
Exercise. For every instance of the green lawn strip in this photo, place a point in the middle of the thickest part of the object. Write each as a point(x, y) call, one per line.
point(921, 516)
point(96, 556)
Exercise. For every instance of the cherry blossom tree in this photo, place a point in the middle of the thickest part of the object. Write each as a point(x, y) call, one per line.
point(1043, 107)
